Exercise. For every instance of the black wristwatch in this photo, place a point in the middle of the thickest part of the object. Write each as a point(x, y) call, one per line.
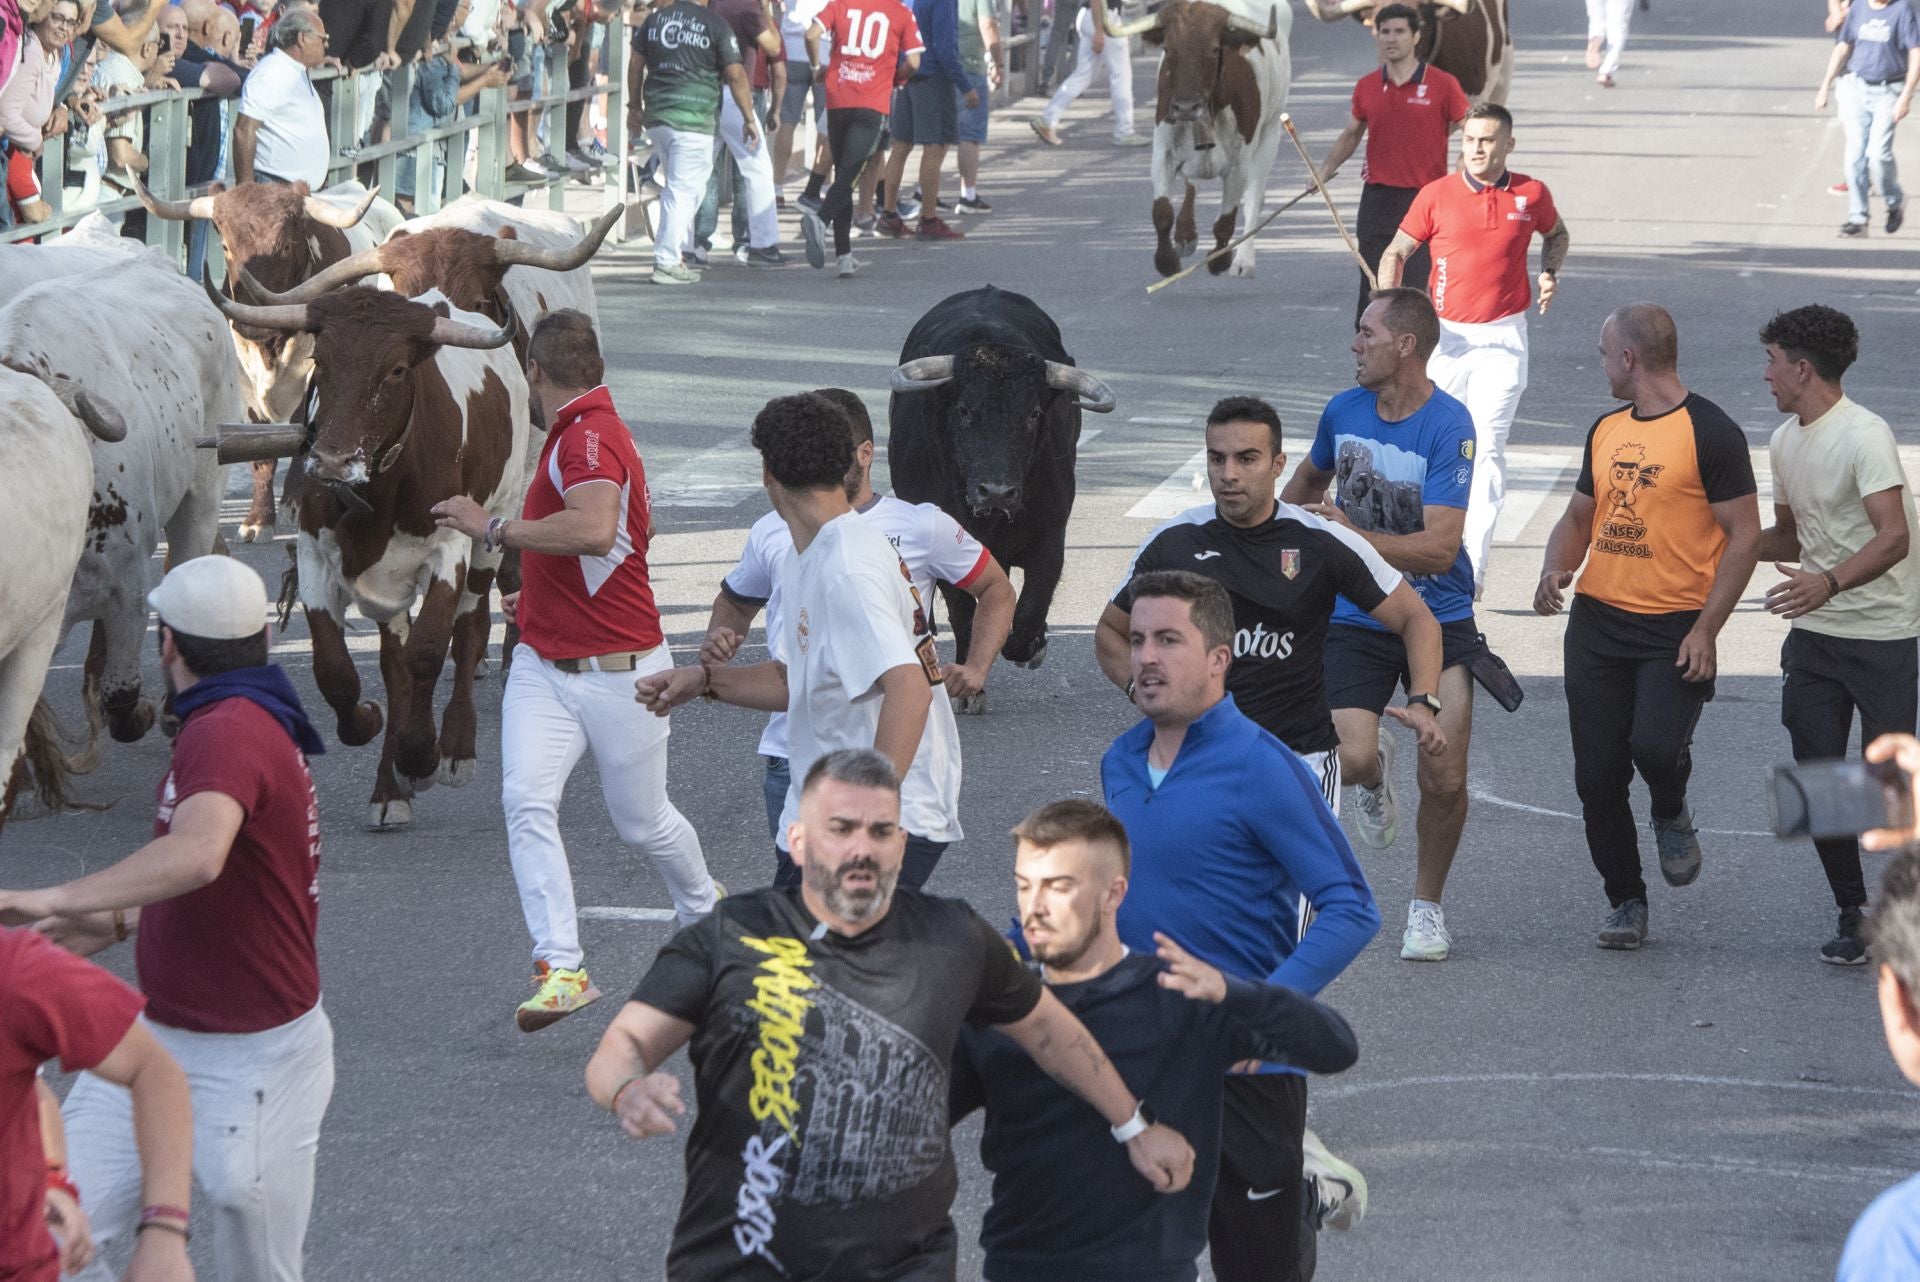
point(1426, 701)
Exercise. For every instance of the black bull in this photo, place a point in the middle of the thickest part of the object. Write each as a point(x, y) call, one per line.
point(985, 424)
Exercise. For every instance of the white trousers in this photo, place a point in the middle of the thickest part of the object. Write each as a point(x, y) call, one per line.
point(686, 162)
point(1607, 20)
point(1115, 60)
point(755, 193)
point(548, 718)
point(1485, 368)
point(258, 1099)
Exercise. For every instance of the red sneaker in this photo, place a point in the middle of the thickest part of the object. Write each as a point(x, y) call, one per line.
point(935, 228)
point(891, 225)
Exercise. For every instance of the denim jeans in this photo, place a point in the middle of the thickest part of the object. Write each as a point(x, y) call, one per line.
point(1866, 116)
point(773, 791)
point(708, 219)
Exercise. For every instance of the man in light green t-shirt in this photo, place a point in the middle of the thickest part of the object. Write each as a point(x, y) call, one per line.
point(1843, 509)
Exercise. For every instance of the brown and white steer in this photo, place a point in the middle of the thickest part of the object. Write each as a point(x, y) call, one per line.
point(1471, 40)
point(1225, 71)
point(281, 235)
point(414, 401)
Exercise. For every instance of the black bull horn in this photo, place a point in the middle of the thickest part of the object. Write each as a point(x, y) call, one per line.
point(925, 373)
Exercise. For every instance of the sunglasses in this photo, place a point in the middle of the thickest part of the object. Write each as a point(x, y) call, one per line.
point(63, 20)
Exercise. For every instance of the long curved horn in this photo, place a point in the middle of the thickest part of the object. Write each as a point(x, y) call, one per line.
point(1346, 9)
point(1132, 26)
point(365, 263)
point(921, 374)
point(1240, 22)
point(101, 418)
point(453, 333)
point(518, 253)
point(325, 211)
point(289, 317)
point(1095, 396)
point(174, 211)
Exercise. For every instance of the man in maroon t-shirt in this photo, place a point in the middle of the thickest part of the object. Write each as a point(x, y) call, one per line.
point(225, 899)
point(588, 628)
point(55, 1006)
point(1405, 111)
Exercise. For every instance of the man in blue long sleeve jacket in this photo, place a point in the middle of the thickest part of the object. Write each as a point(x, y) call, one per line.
point(926, 115)
point(1234, 852)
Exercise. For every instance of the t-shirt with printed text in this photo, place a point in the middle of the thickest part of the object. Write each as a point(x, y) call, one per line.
point(868, 38)
point(1389, 474)
point(1656, 544)
point(687, 49)
point(1880, 36)
point(1408, 125)
point(1478, 234)
point(821, 1067)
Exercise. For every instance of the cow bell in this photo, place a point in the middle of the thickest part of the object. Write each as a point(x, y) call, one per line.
point(252, 442)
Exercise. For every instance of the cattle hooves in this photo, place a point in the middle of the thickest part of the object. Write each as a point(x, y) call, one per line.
point(455, 772)
point(971, 705)
point(1242, 269)
point(1186, 248)
point(363, 725)
point(1218, 266)
point(1165, 263)
point(386, 816)
point(1038, 657)
point(249, 533)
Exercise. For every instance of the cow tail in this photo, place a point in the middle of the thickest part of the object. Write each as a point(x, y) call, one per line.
point(289, 589)
point(54, 758)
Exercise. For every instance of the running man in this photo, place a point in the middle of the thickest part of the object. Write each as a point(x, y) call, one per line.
point(1114, 54)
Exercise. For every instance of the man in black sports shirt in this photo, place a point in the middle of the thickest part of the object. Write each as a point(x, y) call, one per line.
point(1283, 567)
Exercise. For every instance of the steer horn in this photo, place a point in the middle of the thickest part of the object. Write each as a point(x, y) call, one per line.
point(348, 270)
point(174, 211)
point(100, 417)
point(1096, 396)
point(1132, 26)
point(518, 253)
point(325, 211)
point(1240, 22)
point(288, 317)
point(921, 374)
point(453, 333)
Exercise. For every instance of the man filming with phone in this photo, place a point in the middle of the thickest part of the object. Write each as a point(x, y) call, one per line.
point(1843, 511)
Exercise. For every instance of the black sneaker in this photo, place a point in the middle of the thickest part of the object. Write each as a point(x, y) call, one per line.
point(1626, 926)
point(768, 257)
point(1848, 947)
point(1853, 231)
point(1895, 217)
point(972, 205)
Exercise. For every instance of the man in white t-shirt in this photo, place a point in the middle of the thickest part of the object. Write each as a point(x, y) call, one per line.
point(1843, 509)
point(860, 662)
point(933, 546)
point(280, 133)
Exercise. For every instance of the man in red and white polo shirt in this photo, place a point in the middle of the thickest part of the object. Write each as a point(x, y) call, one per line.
point(1479, 224)
point(588, 628)
point(1405, 111)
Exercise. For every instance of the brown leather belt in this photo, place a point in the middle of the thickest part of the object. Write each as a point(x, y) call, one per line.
point(625, 661)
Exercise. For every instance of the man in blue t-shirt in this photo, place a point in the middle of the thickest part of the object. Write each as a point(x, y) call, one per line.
point(1402, 452)
point(1878, 48)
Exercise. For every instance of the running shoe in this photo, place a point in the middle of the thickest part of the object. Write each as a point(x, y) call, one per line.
point(892, 226)
point(552, 164)
point(848, 265)
point(864, 226)
point(768, 257)
point(1895, 217)
point(1848, 231)
point(809, 203)
point(674, 274)
point(557, 994)
point(1838, 189)
point(1426, 937)
point(944, 204)
point(1339, 1190)
point(935, 227)
point(580, 159)
point(1379, 815)
point(697, 258)
point(907, 207)
point(1679, 844)
point(1044, 132)
point(813, 233)
point(972, 205)
point(1848, 947)
point(1626, 926)
point(526, 174)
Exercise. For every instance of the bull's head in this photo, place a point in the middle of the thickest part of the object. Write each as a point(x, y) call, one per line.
point(997, 407)
point(1198, 38)
point(367, 345)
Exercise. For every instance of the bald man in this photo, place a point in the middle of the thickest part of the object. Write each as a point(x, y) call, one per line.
point(1665, 518)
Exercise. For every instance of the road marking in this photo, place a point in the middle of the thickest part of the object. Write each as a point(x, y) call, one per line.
point(1184, 487)
point(718, 477)
point(1532, 475)
point(1164, 421)
point(607, 913)
point(1349, 1090)
point(1481, 794)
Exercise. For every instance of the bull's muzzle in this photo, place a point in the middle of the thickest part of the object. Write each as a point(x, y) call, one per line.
point(988, 498)
point(1186, 113)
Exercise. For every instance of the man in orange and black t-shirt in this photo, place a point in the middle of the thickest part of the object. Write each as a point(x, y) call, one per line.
point(1665, 517)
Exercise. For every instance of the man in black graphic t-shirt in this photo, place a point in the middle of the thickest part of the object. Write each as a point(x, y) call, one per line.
point(821, 1024)
point(1283, 567)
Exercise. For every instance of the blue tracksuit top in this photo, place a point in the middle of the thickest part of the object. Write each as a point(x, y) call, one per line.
point(939, 23)
point(1225, 848)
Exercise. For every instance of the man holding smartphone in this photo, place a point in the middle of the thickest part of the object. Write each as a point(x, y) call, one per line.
point(1844, 511)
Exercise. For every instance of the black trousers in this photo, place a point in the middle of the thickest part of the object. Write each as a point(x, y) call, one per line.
point(852, 134)
point(579, 76)
point(1257, 1229)
point(1629, 710)
point(1381, 209)
point(1827, 679)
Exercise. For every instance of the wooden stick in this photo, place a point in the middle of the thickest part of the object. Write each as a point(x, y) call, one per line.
point(1287, 122)
point(1230, 246)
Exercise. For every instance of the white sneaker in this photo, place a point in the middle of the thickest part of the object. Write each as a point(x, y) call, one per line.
point(1339, 1190)
point(1426, 938)
point(848, 265)
point(1378, 818)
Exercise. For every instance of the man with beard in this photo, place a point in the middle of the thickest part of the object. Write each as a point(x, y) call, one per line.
point(821, 1023)
point(1172, 1020)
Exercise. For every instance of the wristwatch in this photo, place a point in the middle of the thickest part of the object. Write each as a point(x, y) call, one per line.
point(1137, 1124)
point(1426, 701)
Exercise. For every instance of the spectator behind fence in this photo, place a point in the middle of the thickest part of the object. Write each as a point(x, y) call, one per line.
point(280, 134)
point(441, 86)
point(27, 114)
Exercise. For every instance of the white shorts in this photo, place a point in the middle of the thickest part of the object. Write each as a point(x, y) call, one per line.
point(1326, 768)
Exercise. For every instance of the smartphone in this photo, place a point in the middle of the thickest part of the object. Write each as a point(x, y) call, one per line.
point(1838, 798)
point(247, 24)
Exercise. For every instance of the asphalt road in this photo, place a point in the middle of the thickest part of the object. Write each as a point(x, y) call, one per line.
point(1717, 1105)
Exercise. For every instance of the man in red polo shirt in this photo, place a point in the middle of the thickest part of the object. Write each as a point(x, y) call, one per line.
point(588, 628)
point(1479, 224)
point(1405, 111)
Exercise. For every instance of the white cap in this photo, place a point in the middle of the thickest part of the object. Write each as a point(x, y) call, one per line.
point(215, 597)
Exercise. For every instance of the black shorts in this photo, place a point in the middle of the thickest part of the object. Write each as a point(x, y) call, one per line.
point(925, 112)
point(1363, 666)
